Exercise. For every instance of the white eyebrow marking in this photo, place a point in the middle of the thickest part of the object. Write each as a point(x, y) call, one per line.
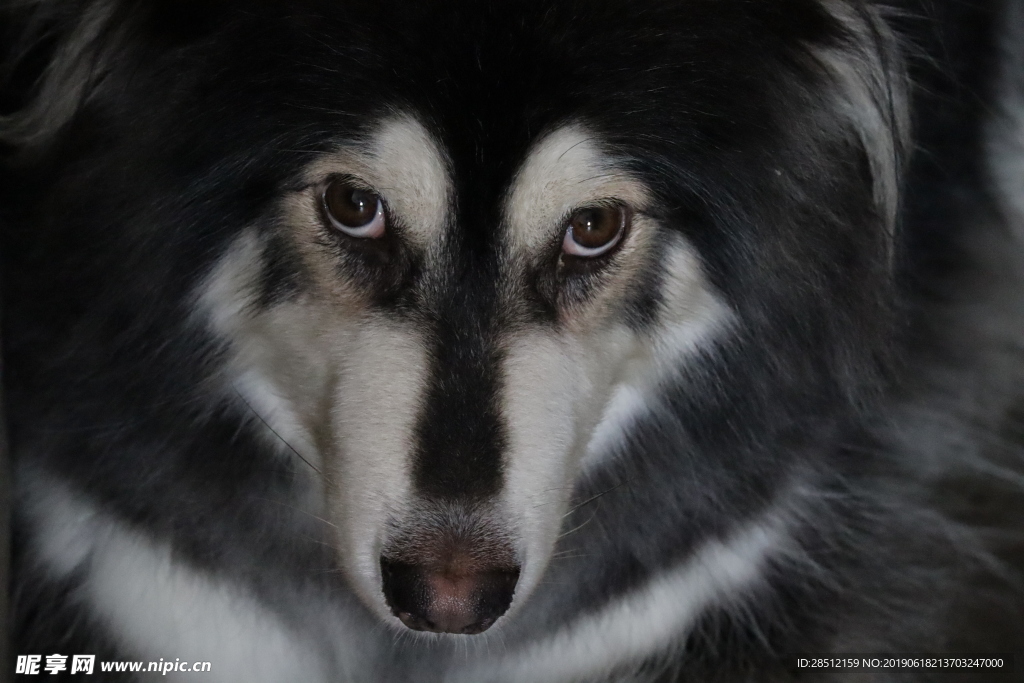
point(405, 163)
point(565, 170)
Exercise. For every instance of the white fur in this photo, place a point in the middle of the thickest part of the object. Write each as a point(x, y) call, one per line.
point(871, 93)
point(1005, 132)
point(157, 607)
point(336, 381)
point(270, 355)
point(376, 406)
point(692, 316)
point(401, 160)
point(576, 392)
point(554, 389)
point(648, 620)
point(341, 385)
point(576, 389)
point(627, 403)
point(565, 170)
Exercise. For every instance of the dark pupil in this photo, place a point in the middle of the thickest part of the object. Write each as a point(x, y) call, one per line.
point(351, 206)
point(593, 228)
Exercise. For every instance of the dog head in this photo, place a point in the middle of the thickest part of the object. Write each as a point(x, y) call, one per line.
point(446, 254)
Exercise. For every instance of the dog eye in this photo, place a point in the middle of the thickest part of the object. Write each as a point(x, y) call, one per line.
point(595, 230)
point(353, 210)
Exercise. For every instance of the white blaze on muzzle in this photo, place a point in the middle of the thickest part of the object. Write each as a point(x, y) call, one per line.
point(345, 381)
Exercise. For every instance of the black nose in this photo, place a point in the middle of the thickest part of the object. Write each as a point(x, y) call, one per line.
point(447, 599)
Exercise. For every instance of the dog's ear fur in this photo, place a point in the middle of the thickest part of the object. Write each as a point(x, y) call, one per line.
point(873, 95)
point(56, 55)
point(52, 63)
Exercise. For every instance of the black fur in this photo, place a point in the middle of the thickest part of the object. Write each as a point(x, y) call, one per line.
point(874, 367)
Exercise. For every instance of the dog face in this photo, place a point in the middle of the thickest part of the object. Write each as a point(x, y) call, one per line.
point(448, 267)
point(446, 368)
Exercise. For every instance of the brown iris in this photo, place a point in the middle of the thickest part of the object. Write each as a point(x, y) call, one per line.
point(354, 210)
point(595, 230)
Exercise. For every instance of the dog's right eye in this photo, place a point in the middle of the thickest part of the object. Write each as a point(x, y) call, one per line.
point(595, 231)
point(354, 210)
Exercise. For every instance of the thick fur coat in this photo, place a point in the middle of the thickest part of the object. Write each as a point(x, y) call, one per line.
point(784, 413)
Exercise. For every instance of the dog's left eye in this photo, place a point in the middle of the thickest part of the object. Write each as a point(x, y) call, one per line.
point(353, 210)
point(595, 231)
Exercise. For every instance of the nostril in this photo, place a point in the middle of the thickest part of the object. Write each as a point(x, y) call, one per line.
point(445, 601)
point(495, 592)
point(406, 593)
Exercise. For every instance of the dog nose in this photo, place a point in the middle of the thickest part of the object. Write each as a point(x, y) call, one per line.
point(448, 599)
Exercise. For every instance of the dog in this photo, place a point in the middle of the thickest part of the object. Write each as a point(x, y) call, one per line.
point(515, 341)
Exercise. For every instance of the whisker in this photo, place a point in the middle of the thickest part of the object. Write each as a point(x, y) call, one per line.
point(578, 527)
point(274, 432)
point(576, 507)
point(299, 510)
